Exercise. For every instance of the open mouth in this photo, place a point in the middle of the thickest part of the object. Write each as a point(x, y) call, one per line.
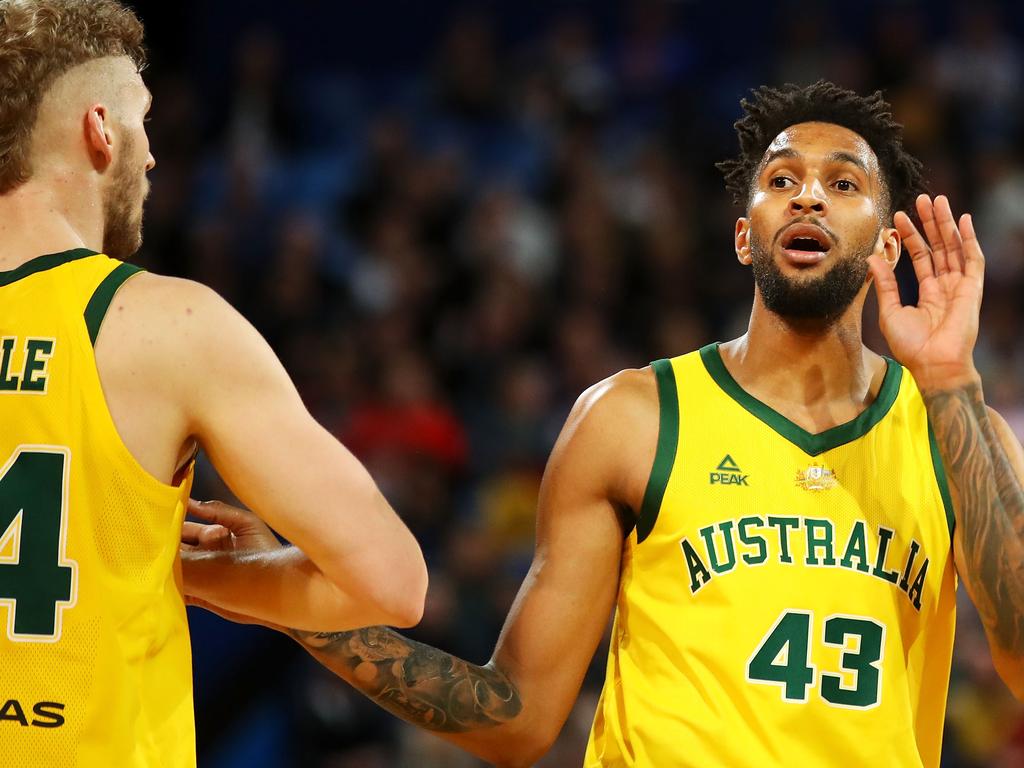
point(806, 243)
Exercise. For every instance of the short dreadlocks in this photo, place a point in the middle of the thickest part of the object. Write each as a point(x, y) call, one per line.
point(773, 110)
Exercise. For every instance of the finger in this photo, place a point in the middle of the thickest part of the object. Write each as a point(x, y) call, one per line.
point(190, 532)
point(974, 258)
point(926, 212)
point(920, 253)
point(885, 285)
point(219, 512)
point(213, 535)
point(950, 236)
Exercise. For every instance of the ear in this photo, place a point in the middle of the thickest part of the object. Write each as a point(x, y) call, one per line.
point(889, 246)
point(742, 241)
point(98, 138)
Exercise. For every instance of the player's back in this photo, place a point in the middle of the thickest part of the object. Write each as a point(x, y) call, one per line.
point(96, 666)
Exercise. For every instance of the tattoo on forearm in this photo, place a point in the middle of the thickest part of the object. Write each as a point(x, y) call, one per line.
point(416, 682)
point(990, 510)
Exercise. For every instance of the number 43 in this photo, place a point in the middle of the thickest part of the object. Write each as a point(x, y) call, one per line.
point(783, 659)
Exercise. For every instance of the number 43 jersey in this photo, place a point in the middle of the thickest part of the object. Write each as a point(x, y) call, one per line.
point(95, 667)
point(787, 598)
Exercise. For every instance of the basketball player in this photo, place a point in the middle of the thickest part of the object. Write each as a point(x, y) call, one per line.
point(109, 380)
point(779, 520)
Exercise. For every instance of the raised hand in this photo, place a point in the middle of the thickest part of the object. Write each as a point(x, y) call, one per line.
point(936, 338)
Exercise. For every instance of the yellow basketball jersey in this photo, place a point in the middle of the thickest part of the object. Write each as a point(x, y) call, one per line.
point(95, 666)
point(787, 598)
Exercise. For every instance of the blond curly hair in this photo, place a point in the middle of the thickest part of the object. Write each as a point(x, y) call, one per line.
point(40, 40)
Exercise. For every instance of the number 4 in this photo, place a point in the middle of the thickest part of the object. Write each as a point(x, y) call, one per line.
point(783, 658)
point(37, 580)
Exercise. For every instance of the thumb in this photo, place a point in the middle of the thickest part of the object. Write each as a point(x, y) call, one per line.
point(886, 288)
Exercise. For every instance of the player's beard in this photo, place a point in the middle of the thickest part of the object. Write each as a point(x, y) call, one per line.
point(824, 298)
point(122, 206)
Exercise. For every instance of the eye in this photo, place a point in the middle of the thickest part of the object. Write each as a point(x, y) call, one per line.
point(780, 182)
point(845, 185)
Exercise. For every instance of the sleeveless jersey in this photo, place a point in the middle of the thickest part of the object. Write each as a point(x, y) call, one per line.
point(96, 665)
point(786, 598)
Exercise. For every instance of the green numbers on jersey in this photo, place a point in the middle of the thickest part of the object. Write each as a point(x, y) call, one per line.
point(783, 659)
point(36, 580)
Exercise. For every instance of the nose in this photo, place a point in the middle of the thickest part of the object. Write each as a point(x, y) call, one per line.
point(809, 199)
point(150, 162)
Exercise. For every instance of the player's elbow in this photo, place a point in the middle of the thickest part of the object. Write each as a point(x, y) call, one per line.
point(523, 754)
point(1011, 669)
point(398, 589)
point(406, 595)
point(522, 747)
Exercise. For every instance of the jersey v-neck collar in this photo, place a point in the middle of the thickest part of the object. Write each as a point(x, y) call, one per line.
point(810, 443)
point(43, 263)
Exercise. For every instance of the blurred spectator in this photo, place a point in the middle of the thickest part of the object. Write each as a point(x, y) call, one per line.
point(257, 118)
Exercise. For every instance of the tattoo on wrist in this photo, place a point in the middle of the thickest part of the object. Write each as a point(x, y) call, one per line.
point(990, 510)
point(421, 684)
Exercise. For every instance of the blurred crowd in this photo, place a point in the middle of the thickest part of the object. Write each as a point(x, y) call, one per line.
point(445, 253)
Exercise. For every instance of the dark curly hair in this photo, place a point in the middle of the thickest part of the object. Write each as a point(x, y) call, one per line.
point(772, 110)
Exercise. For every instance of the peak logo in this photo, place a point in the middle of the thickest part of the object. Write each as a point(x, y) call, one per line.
point(728, 472)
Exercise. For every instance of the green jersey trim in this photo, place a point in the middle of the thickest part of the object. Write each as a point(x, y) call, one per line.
point(43, 263)
point(665, 454)
point(98, 305)
point(810, 443)
point(940, 478)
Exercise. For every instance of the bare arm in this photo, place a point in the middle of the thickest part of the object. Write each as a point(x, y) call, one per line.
point(355, 563)
point(510, 710)
point(983, 461)
point(985, 466)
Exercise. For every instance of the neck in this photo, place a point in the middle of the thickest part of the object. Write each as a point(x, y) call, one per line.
point(39, 218)
point(805, 363)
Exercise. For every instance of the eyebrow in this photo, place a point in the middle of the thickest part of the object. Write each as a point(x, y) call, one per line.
point(846, 157)
point(833, 157)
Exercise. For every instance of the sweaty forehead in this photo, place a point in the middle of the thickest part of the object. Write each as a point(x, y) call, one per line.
point(816, 140)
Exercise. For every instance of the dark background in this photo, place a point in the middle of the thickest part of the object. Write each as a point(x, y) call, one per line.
point(449, 219)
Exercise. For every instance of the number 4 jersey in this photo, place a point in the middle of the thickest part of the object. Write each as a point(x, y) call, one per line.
point(95, 667)
point(787, 598)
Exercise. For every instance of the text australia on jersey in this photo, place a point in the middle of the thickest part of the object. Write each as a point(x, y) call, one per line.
point(753, 540)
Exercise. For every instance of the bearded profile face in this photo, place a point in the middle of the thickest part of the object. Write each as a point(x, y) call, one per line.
point(122, 204)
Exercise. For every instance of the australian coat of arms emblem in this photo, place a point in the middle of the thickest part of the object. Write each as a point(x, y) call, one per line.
point(816, 478)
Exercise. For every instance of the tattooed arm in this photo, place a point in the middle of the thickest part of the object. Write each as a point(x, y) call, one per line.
point(416, 682)
point(985, 466)
point(984, 462)
point(510, 710)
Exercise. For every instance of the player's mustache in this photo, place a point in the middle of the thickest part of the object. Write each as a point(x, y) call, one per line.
point(806, 220)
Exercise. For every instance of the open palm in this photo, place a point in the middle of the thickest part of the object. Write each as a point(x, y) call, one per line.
point(934, 339)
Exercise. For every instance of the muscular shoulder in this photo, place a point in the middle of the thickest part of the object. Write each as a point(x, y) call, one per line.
point(627, 397)
point(166, 306)
point(174, 336)
point(613, 430)
point(168, 321)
